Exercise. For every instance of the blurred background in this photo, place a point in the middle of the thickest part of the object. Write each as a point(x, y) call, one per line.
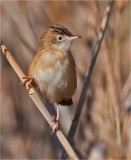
point(24, 132)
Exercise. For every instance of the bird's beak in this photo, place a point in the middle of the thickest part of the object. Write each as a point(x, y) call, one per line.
point(73, 37)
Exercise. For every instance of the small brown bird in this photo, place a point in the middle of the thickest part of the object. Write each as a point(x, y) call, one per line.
point(53, 68)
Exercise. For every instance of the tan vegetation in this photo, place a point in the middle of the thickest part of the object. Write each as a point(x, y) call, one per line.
point(24, 132)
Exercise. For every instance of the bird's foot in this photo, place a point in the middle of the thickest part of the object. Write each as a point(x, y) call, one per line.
point(54, 119)
point(56, 127)
point(27, 79)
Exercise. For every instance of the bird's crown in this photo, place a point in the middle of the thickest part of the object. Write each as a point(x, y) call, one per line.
point(60, 29)
point(57, 37)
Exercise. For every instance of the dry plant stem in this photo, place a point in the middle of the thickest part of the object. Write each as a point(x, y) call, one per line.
point(112, 92)
point(87, 79)
point(117, 52)
point(35, 98)
point(126, 90)
point(113, 88)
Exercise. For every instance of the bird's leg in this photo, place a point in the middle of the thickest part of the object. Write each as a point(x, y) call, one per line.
point(57, 112)
point(27, 79)
point(56, 120)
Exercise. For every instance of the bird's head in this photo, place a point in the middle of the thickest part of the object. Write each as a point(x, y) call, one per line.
point(58, 37)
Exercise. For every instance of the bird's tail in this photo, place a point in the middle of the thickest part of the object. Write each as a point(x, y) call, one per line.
point(66, 102)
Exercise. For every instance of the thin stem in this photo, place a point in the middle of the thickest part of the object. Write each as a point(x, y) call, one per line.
point(126, 89)
point(79, 108)
point(35, 98)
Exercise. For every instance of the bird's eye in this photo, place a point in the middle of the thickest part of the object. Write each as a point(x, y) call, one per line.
point(60, 38)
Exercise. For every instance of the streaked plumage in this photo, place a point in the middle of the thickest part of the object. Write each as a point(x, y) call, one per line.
point(60, 29)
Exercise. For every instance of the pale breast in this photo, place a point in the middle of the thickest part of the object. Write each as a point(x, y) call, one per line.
point(58, 81)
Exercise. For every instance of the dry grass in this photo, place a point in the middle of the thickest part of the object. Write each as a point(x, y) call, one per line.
point(24, 133)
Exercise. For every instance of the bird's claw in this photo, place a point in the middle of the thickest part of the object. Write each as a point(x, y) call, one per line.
point(27, 79)
point(56, 120)
point(55, 129)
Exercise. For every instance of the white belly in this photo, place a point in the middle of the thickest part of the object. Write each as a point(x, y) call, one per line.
point(56, 83)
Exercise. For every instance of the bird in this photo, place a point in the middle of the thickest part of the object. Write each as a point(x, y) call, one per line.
point(53, 68)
